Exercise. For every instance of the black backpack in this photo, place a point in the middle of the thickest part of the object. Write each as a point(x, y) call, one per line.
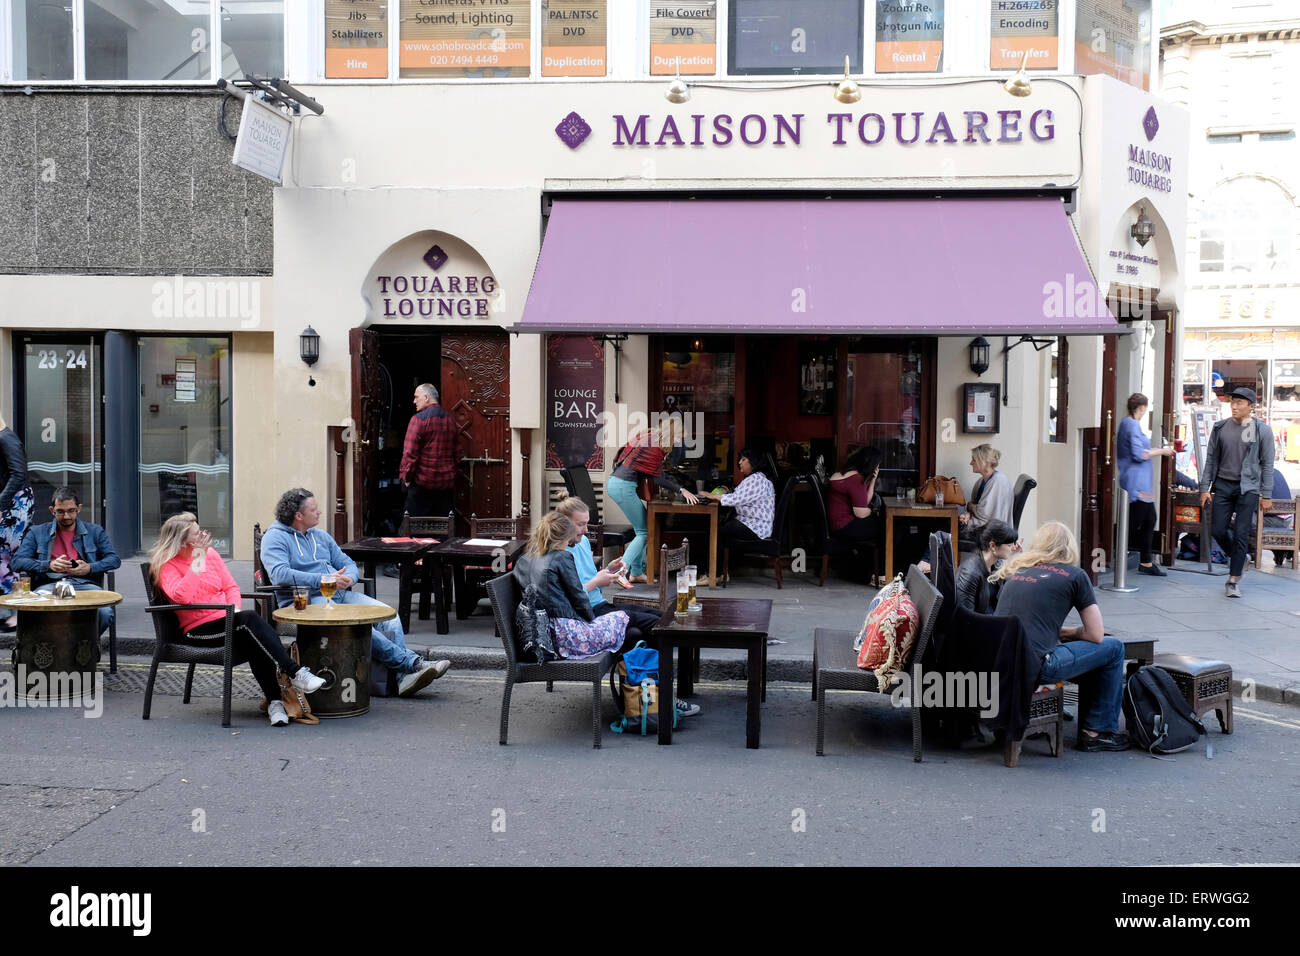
point(1158, 716)
point(533, 626)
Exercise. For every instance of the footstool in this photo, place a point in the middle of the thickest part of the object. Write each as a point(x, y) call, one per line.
point(1206, 683)
point(1046, 715)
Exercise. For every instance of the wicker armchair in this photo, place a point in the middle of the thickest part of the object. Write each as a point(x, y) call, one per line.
point(170, 644)
point(835, 663)
point(505, 595)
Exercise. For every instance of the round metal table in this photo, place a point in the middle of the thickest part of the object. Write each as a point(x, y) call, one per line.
point(59, 638)
point(334, 641)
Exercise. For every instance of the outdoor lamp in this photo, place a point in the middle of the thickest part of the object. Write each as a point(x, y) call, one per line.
point(309, 346)
point(678, 91)
point(847, 91)
point(1143, 229)
point(979, 356)
point(1018, 85)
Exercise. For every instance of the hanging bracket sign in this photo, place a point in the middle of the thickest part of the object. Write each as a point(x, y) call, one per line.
point(263, 141)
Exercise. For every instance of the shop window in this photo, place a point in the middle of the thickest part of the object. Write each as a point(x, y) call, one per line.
point(795, 36)
point(356, 39)
point(882, 408)
point(1286, 386)
point(1193, 382)
point(449, 41)
point(1277, 136)
point(684, 36)
point(1058, 391)
point(1222, 139)
point(185, 434)
point(1247, 229)
point(168, 42)
point(698, 380)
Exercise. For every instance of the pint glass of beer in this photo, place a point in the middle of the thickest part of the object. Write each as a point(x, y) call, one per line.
point(683, 593)
point(691, 580)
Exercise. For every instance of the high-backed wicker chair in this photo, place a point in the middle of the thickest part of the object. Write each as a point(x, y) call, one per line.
point(870, 552)
point(170, 644)
point(577, 482)
point(505, 595)
point(1024, 485)
point(596, 535)
point(671, 560)
point(835, 663)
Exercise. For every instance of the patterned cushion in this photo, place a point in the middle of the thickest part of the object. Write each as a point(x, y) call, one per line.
point(891, 630)
point(895, 586)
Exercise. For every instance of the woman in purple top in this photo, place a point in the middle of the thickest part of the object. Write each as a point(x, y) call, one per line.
point(853, 509)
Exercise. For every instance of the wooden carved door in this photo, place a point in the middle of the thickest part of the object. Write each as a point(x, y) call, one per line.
point(1097, 516)
point(363, 344)
point(1171, 397)
point(476, 393)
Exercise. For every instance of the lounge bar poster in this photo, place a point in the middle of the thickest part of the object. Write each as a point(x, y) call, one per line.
point(356, 39)
point(452, 38)
point(909, 36)
point(573, 38)
point(1114, 37)
point(575, 399)
point(1018, 27)
point(685, 32)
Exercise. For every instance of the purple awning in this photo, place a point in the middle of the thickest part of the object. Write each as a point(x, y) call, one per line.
point(874, 266)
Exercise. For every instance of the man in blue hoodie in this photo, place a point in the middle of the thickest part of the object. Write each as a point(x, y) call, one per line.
point(297, 553)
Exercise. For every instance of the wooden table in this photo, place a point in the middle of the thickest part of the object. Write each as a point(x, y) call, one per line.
point(894, 512)
point(456, 555)
point(334, 641)
point(720, 622)
point(1138, 648)
point(658, 509)
point(372, 551)
point(59, 637)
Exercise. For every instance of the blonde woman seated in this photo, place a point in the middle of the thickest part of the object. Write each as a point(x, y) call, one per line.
point(187, 569)
point(548, 564)
point(991, 498)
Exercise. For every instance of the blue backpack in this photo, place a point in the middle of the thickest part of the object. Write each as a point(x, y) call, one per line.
point(637, 699)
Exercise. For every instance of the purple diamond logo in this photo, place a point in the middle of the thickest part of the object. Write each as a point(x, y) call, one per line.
point(1150, 124)
point(435, 257)
point(573, 130)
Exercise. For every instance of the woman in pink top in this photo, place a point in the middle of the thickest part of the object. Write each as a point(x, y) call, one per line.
point(853, 509)
point(188, 571)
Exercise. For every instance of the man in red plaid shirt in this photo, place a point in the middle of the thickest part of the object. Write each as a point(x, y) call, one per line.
point(429, 456)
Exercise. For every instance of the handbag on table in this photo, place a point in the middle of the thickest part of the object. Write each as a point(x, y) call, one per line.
point(951, 488)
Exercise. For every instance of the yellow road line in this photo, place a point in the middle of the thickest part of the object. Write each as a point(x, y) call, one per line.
point(1256, 715)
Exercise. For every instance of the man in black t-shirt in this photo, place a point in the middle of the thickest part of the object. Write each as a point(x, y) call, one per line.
point(1039, 588)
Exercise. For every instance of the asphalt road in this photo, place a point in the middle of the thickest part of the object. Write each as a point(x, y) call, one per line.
point(424, 782)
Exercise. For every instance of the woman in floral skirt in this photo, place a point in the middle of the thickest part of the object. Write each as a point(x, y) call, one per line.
point(15, 507)
point(550, 566)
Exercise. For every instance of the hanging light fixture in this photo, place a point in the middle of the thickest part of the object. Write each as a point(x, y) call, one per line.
point(847, 91)
point(1143, 229)
point(1018, 85)
point(309, 346)
point(678, 91)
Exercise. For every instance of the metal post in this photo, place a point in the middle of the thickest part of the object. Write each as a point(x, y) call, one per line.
point(1119, 554)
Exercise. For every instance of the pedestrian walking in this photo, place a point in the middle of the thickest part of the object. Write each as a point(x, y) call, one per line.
point(1238, 469)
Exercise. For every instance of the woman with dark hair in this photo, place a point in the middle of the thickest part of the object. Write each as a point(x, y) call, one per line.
point(1136, 478)
point(997, 541)
point(754, 500)
point(16, 502)
point(853, 509)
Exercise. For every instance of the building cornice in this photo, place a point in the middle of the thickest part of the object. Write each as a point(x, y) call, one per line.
point(1201, 34)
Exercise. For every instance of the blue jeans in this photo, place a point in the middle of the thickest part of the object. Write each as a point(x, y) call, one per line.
point(624, 494)
point(387, 641)
point(1098, 669)
point(82, 584)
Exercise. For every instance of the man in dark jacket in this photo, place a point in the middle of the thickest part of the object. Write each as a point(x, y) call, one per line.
point(68, 547)
point(1238, 472)
point(429, 456)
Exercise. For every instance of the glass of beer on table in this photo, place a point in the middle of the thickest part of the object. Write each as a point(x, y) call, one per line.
point(683, 592)
point(691, 580)
point(328, 585)
point(23, 585)
point(301, 597)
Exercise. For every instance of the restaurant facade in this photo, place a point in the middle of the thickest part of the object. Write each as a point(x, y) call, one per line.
point(567, 260)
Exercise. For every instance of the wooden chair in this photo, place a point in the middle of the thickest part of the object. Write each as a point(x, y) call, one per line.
point(504, 593)
point(671, 560)
point(170, 643)
point(835, 663)
point(493, 527)
point(772, 548)
point(596, 535)
point(474, 578)
point(428, 526)
point(1278, 539)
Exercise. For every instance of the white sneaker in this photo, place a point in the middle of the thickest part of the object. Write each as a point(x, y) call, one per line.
point(425, 673)
point(276, 711)
point(306, 681)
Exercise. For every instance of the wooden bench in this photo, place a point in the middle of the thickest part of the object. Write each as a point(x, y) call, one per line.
point(1205, 683)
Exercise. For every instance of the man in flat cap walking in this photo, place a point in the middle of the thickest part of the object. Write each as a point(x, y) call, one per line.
point(1238, 470)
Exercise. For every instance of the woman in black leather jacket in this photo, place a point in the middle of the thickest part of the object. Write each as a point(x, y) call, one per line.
point(15, 505)
point(549, 566)
point(997, 541)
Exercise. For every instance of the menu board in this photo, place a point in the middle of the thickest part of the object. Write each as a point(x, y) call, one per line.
point(684, 32)
point(575, 400)
point(909, 36)
point(1114, 37)
point(356, 39)
point(573, 38)
point(451, 38)
point(1018, 27)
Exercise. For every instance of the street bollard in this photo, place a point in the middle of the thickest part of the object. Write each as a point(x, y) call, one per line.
point(1119, 555)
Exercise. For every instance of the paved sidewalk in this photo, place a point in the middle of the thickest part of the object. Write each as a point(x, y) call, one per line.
point(1259, 635)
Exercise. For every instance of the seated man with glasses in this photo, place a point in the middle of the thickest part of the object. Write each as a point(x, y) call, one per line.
point(68, 547)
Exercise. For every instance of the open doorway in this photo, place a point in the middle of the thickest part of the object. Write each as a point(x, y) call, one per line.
point(408, 356)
